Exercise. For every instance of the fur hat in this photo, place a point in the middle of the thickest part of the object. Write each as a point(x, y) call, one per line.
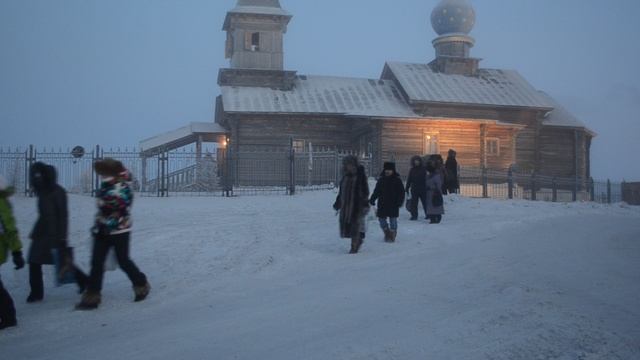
point(350, 159)
point(109, 167)
point(389, 166)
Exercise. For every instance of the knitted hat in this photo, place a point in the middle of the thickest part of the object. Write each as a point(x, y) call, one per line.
point(390, 166)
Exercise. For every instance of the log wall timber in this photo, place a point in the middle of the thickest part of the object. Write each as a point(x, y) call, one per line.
point(525, 142)
point(561, 155)
point(402, 139)
point(256, 132)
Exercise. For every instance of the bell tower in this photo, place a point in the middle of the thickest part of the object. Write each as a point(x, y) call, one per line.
point(255, 35)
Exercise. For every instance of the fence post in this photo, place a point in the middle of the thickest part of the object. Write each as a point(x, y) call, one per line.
point(485, 183)
point(555, 190)
point(96, 178)
point(592, 190)
point(337, 169)
point(533, 186)
point(575, 190)
point(292, 168)
point(30, 159)
point(510, 181)
point(608, 191)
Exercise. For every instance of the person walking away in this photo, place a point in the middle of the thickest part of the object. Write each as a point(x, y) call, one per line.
point(389, 193)
point(50, 232)
point(352, 202)
point(451, 166)
point(9, 243)
point(416, 186)
point(112, 229)
point(435, 202)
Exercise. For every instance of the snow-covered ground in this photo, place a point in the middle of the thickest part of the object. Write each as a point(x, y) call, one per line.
point(268, 278)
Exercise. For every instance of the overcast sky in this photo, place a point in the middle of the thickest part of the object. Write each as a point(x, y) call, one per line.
point(115, 72)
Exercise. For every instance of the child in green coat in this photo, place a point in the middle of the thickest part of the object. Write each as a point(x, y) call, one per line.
point(9, 241)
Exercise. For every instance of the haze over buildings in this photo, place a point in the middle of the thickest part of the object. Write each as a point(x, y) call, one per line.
point(115, 72)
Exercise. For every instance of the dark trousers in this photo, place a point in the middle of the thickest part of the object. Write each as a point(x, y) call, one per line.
point(101, 246)
point(37, 283)
point(7, 309)
point(416, 198)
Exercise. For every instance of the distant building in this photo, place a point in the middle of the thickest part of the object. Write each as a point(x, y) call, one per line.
point(493, 118)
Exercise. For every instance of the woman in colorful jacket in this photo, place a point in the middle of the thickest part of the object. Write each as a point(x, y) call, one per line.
point(9, 242)
point(112, 229)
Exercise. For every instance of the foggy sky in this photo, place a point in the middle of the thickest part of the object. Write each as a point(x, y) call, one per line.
point(113, 72)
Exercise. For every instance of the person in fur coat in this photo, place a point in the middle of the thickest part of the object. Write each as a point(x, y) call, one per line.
point(352, 202)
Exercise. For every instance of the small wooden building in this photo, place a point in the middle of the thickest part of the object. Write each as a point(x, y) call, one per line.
point(493, 118)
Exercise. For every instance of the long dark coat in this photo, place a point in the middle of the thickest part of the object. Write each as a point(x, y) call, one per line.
point(353, 203)
point(389, 193)
point(51, 228)
point(434, 186)
point(452, 183)
point(416, 181)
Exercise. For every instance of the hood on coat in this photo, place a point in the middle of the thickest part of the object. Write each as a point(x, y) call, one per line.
point(42, 177)
point(413, 161)
point(350, 160)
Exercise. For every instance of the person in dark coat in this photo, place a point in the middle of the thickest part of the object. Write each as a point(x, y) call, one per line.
point(9, 245)
point(389, 193)
point(50, 231)
point(352, 202)
point(435, 203)
point(416, 186)
point(112, 229)
point(451, 166)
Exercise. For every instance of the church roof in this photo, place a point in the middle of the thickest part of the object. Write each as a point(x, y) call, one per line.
point(492, 87)
point(560, 116)
point(321, 95)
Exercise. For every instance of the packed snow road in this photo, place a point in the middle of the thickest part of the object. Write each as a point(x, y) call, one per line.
point(268, 278)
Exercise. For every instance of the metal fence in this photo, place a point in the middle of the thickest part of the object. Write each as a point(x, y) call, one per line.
point(219, 172)
point(509, 184)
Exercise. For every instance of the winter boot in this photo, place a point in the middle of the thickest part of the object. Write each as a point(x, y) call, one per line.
point(90, 301)
point(394, 233)
point(141, 292)
point(387, 235)
point(34, 298)
point(354, 246)
point(5, 324)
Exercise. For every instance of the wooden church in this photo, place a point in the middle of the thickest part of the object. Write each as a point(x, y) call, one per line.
point(492, 117)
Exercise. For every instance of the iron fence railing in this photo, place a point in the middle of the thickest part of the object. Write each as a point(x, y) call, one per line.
point(221, 172)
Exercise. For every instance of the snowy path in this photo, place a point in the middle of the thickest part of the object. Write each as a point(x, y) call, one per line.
point(267, 278)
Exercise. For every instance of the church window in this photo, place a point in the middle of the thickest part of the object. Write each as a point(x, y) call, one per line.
point(493, 147)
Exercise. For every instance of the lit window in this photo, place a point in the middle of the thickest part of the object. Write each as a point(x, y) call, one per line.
point(299, 146)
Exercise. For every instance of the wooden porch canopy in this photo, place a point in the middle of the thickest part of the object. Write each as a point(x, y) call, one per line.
point(194, 133)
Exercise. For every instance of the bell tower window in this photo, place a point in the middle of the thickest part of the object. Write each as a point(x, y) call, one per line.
point(252, 41)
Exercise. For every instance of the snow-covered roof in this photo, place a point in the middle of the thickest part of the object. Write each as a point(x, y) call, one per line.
point(491, 87)
point(260, 10)
point(181, 137)
point(560, 116)
point(321, 95)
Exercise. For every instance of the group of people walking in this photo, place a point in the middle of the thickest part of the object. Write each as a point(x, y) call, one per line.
point(50, 235)
point(427, 182)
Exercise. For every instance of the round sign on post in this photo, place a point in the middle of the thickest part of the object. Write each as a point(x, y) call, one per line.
point(77, 152)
